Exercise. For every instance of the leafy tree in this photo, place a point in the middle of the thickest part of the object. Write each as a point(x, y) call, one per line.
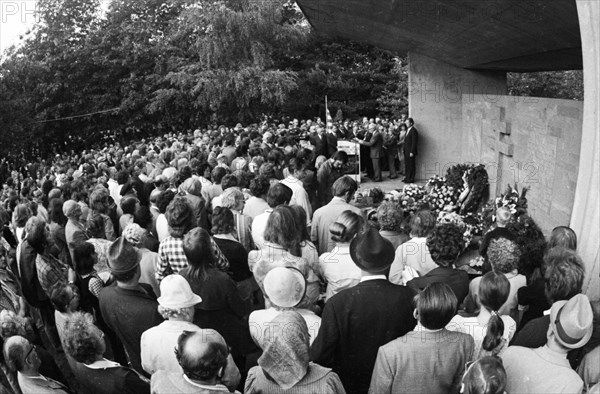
point(553, 84)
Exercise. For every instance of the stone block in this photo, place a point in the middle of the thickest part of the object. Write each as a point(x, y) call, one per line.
point(569, 111)
point(556, 131)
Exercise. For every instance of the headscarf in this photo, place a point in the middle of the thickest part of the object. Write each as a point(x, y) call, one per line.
point(285, 345)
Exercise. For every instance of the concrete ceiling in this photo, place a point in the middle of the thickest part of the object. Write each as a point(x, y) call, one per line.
point(509, 35)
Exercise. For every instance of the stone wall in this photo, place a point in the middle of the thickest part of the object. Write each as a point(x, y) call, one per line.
point(530, 141)
point(436, 94)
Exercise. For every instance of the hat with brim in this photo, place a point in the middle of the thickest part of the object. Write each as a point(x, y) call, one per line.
point(285, 286)
point(572, 321)
point(122, 256)
point(371, 252)
point(176, 293)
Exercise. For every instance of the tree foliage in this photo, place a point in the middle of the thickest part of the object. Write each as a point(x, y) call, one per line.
point(164, 65)
point(553, 84)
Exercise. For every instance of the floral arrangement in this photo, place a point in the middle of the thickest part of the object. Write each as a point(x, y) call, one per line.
point(441, 195)
point(411, 199)
point(476, 265)
point(369, 197)
point(479, 188)
point(513, 199)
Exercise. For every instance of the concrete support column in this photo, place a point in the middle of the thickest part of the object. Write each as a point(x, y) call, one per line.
point(436, 94)
point(585, 220)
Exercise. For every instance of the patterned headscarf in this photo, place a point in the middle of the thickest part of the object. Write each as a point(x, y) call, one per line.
point(285, 345)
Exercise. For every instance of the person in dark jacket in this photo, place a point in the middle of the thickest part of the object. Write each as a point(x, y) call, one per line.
point(357, 321)
point(410, 151)
point(84, 342)
point(445, 244)
point(128, 307)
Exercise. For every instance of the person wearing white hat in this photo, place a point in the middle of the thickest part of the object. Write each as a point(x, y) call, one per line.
point(285, 287)
point(176, 306)
point(546, 369)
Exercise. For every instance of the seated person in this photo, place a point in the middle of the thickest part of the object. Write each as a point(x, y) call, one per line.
point(484, 376)
point(205, 362)
point(285, 361)
point(21, 357)
point(429, 350)
point(84, 342)
point(445, 244)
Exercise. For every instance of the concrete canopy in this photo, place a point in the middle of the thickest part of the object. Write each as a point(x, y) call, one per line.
point(504, 35)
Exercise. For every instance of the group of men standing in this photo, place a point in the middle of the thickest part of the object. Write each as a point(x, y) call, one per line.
point(379, 141)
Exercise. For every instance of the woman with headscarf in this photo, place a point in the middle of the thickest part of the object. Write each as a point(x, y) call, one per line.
point(284, 366)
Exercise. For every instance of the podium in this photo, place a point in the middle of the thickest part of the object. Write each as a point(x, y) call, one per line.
point(352, 149)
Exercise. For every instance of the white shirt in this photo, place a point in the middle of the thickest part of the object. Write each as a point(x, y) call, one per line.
point(259, 224)
point(157, 344)
point(299, 195)
point(414, 253)
point(339, 270)
point(372, 277)
point(475, 328)
point(162, 227)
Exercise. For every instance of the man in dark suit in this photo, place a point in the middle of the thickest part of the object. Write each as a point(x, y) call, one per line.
point(319, 141)
point(410, 151)
point(376, 151)
point(332, 139)
point(358, 320)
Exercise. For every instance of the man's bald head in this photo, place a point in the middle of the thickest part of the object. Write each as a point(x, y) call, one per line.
point(202, 355)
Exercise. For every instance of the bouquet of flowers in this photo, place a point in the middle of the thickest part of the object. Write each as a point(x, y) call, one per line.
point(475, 265)
point(411, 197)
point(474, 222)
point(513, 199)
point(368, 197)
point(440, 194)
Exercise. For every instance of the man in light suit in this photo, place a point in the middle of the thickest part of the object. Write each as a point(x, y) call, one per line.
point(410, 151)
point(358, 320)
point(376, 153)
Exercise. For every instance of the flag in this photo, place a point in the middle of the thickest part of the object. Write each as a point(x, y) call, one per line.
point(328, 118)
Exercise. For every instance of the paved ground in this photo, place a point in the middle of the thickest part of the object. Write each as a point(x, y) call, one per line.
point(387, 184)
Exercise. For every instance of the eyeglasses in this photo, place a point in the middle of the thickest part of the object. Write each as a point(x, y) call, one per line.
point(31, 349)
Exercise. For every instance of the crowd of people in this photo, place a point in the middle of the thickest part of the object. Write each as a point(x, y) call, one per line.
point(226, 260)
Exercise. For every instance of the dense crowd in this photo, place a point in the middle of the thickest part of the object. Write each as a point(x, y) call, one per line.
point(235, 259)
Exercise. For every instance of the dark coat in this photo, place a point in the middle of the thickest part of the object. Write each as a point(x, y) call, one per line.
point(109, 380)
point(456, 279)
point(130, 312)
point(331, 144)
point(410, 141)
point(355, 323)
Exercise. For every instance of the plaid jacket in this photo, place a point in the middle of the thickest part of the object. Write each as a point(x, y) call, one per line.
point(172, 257)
